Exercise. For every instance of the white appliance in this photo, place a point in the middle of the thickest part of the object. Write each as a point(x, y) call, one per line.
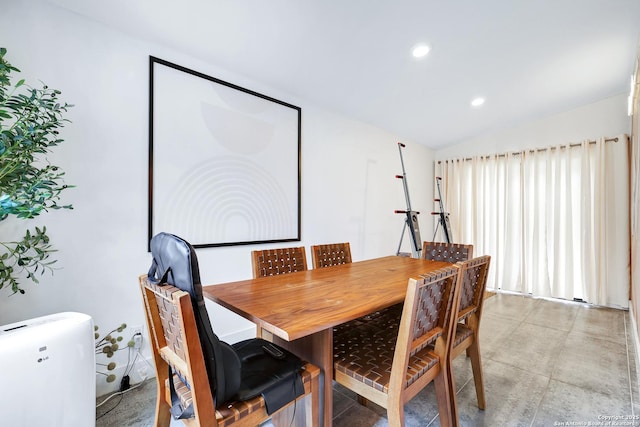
point(48, 372)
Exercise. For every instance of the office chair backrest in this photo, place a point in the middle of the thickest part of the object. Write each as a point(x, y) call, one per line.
point(175, 263)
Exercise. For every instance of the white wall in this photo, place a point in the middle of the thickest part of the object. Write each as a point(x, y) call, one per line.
point(348, 187)
point(607, 117)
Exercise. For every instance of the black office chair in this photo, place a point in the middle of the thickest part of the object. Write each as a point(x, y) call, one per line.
point(202, 377)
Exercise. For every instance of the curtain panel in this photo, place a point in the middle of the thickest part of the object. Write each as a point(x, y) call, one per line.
point(554, 220)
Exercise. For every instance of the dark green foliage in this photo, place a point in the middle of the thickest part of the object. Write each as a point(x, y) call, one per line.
point(30, 121)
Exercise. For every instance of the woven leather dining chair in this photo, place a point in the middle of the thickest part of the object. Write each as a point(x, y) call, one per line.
point(270, 262)
point(449, 252)
point(176, 344)
point(390, 365)
point(434, 251)
point(330, 254)
point(474, 282)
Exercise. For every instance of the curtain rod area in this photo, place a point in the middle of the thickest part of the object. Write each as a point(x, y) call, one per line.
point(517, 153)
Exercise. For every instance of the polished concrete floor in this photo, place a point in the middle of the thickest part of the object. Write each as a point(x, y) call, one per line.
point(545, 363)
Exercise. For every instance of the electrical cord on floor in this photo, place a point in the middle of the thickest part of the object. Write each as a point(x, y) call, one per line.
point(111, 409)
point(130, 365)
point(120, 393)
point(124, 385)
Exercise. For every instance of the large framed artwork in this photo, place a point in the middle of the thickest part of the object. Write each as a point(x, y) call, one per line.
point(224, 161)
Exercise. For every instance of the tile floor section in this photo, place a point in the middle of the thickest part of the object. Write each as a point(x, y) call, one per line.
point(545, 363)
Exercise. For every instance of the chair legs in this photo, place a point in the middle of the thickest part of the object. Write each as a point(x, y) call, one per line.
point(362, 400)
point(163, 412)
point(395, 414)
point(445, 396)
point(476, 366)
point(473, 351)
point(471, 345)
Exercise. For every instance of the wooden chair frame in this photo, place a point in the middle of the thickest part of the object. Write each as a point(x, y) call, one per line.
point(450, 252)
point(474, 282)
point(270, 262)
point(415, 345)
point(176, 343)
point(327, 255)
point(332, 254)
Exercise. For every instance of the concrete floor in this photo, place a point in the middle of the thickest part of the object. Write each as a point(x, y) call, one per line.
point(545, 363)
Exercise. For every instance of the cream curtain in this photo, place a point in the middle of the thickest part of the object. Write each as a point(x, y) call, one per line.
point(555, 221)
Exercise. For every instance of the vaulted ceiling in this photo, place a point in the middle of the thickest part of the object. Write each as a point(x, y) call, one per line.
point(528, 59)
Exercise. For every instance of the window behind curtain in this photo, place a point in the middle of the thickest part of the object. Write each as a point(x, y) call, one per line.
point(555, 221)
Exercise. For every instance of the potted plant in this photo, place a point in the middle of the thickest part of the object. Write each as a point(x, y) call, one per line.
point(30, 121)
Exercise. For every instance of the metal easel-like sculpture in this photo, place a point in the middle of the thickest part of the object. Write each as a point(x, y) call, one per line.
point(443, 217)
point(411, 218)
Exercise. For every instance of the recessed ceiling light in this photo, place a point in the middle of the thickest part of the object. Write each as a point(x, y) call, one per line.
point(420, 51)
point(477, 102)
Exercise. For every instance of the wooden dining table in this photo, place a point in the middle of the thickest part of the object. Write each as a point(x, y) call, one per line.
point(299, 310)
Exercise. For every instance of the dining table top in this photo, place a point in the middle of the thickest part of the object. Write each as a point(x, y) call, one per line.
point(295, 305)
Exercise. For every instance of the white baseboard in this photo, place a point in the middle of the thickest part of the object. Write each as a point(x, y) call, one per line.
point(140, 371)
point(636, 343)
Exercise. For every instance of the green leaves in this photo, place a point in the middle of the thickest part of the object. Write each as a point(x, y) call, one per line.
point(28, 257)
point(30, 123)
